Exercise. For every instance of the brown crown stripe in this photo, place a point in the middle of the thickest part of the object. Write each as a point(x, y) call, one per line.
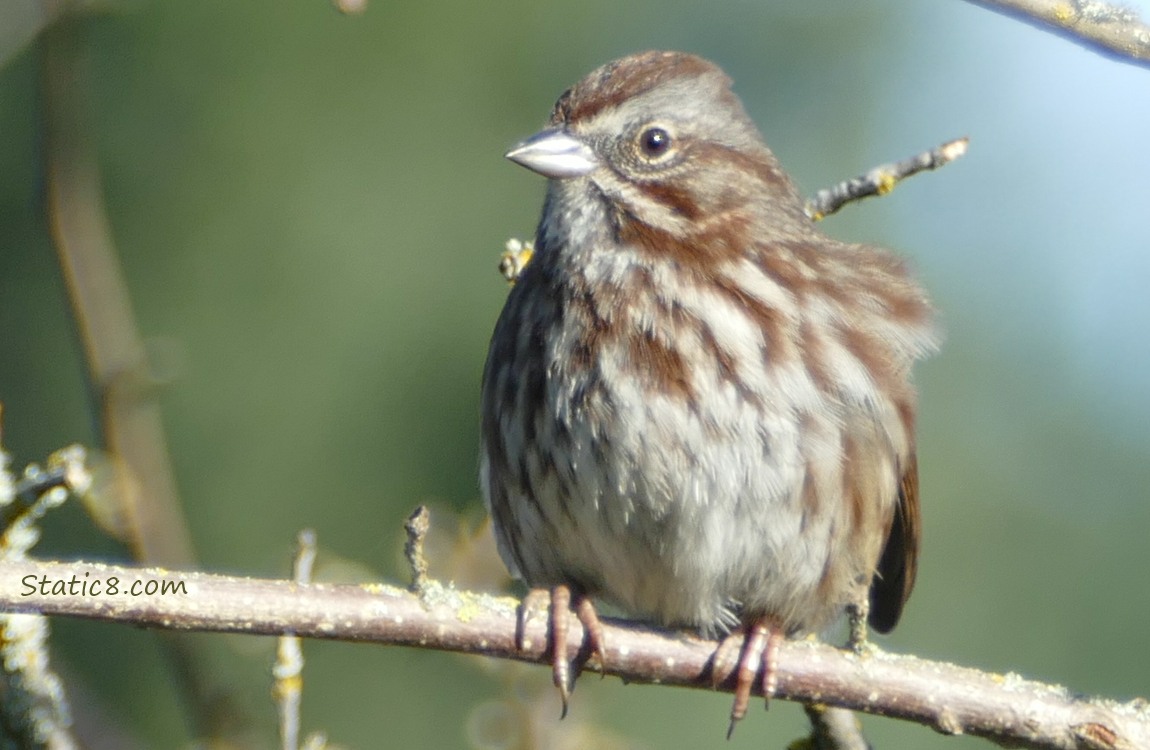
point(618, 81)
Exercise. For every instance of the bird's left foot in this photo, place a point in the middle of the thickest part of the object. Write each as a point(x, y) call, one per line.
point(560, 601)
point(758, 647)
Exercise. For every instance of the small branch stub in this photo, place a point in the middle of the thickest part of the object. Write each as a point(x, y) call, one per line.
point(882, 179)
point(515, 257)
point(416, 526)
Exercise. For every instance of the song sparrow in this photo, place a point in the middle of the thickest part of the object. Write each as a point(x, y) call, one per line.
point(696, 405)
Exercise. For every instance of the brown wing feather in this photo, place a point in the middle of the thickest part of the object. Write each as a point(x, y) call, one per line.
point(899, 562)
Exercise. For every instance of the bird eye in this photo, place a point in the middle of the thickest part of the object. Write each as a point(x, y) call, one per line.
point(655, 142)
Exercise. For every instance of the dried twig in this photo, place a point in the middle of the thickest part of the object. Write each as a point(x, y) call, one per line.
point(417, 526)
point(882, 179)
point(288, 669)
point(948, 698)
point(1108, 29)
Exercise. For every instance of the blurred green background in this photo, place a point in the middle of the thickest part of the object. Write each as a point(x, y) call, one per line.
point(309, 209)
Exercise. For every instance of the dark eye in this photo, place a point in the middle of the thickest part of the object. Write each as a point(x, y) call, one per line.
point(655, 142)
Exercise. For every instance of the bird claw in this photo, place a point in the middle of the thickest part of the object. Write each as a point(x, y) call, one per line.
point(759, 647)
point(559, 601)
point(593, 631)
point(560, 667)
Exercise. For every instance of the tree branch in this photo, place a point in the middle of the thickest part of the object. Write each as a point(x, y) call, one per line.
point(1108, 29)
point(953, 700)
point(882, 179)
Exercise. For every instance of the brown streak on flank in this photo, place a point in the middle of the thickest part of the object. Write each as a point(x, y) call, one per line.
point(545, 458)
point(771, 323)
point(528, 383)
point(812, 349)
point(727, 369)
point(828, 581)
point(809, 501)
point(851, 486)
point(614, 83)
point(661, 368)
point(580, 308)
point(640, 284)
point(904, 405)
point(884, 276)
point(873, 353)
point(835, 270)
point(723, 359)
point(547, 467)
point(503, 518)
point(782, 264)
point(909, 307)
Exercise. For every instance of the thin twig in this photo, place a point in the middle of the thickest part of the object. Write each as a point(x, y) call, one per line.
point(951, 699)
point(288, 669)
point(1106, 28)
point(882, 179)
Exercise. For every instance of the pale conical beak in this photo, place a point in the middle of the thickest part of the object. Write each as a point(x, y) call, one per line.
point(555, 153)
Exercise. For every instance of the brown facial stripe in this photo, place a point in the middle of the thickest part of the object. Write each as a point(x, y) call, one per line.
point(738, 163)
point(676, 198)
point(670, 189)
point(698, 254)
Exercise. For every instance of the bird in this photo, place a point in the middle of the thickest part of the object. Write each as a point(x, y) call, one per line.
point(696, 406)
